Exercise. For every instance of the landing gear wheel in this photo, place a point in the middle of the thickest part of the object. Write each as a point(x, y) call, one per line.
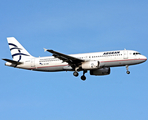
point(76, 74)
point(83, 77)
point(128, 72)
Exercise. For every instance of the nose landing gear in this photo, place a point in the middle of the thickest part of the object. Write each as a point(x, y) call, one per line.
point(128, 72)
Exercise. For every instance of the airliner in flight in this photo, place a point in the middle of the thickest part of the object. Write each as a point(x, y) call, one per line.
point(97, 63)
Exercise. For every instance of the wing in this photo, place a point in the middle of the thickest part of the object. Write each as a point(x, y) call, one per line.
point(72, 61)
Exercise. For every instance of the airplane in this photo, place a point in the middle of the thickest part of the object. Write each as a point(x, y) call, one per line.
point(98, 63)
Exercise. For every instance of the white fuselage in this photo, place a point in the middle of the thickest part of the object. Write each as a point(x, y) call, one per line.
point(106, 59)
point(97, 63)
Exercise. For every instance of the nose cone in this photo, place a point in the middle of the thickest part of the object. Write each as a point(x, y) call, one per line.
point(144, 58)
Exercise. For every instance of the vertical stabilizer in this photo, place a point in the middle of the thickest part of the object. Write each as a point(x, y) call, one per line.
point(18, 52)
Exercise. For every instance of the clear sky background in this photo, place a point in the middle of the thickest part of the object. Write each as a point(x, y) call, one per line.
point(71, 26)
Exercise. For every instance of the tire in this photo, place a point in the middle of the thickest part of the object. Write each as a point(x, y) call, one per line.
point(128, 72)
point(76, 74)
point(83, 77)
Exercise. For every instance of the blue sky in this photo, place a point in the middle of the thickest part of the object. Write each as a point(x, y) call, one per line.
point(74, 27)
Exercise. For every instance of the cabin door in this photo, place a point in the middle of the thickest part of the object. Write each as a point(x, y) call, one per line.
point(32, 62)
point(125, 54)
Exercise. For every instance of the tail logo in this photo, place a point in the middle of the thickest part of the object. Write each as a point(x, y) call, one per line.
point(19, 51)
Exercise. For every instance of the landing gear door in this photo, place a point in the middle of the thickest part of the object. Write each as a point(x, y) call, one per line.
point(125, 54)
point(33, 62)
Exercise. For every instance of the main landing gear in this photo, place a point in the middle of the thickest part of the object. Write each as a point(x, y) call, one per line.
point(76, 74)
point(128, 72)
point(83, 76)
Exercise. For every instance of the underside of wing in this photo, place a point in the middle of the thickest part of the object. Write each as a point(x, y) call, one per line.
point(73, 61)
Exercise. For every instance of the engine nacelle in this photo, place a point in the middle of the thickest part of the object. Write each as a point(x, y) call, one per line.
point(90, 65)
point(101, 71)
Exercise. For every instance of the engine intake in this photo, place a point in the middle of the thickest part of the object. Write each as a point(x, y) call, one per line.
point(90, 65)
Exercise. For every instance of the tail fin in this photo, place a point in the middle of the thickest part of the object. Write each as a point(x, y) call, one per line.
point(18, 52)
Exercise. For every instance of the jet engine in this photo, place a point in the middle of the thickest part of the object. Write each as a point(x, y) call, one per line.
point(90, 65)
point(101, 71)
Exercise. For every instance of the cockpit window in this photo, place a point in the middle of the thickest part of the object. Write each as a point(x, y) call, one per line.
point(136, 53)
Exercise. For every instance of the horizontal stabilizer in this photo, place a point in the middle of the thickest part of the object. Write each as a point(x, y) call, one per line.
point(13, 62)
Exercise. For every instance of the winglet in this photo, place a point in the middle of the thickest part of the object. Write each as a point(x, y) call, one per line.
point(45, 49)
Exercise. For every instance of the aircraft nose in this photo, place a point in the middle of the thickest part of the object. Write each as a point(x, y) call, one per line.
point(144, 58)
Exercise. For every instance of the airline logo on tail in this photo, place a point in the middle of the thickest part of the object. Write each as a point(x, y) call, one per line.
point(19, 51)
